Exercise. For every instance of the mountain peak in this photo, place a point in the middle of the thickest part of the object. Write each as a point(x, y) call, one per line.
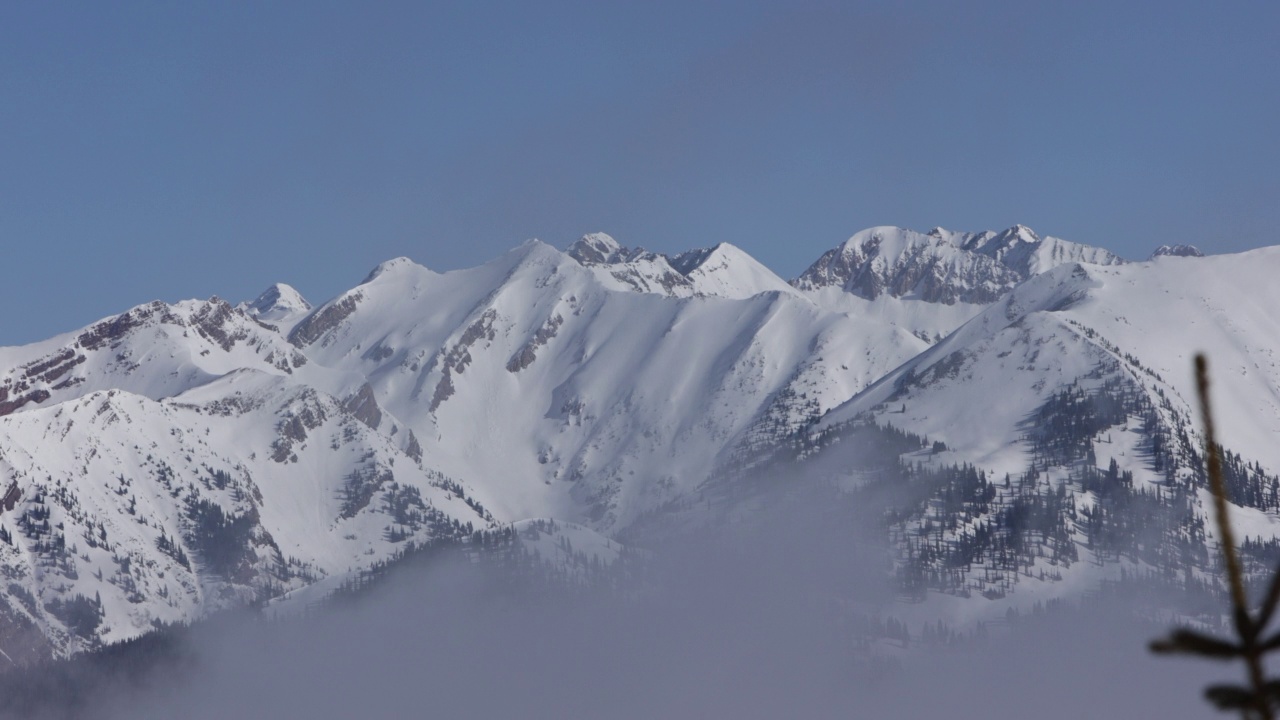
point(1176, 251)
point(726, 270)
point(277, 301)
point(936, 267)
point(628, 269)
point(1022, 233)
point(943, 266)
point(389, 266)
point(874, 236)
point(597, 248)
point(690, 260)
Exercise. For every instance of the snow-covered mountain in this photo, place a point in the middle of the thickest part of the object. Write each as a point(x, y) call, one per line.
point(1053, 440)
point(1065, 326)
point(720, 271)
point(146, 511)
point(176, 459)
point(943, 266)
point(580, 401)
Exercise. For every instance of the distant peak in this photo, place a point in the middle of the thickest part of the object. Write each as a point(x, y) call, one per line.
point(726, 270)
point(1018, 234)
point(391, 265)
point(1177, 251)
point(728, 250)
point(726, 253)
point(278, 300)
point(688, 261)
point(603, 239)
point(597, 248)
point(533, 248)
point(873, 235)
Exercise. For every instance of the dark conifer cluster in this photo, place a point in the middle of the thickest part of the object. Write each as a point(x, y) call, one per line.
point(959, 531)
point(223, 541)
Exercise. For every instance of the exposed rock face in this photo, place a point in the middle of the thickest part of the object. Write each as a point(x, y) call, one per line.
point(15, 394)
point(634, 269)
point(306, 413)
point(214, 322)
point(193, 338)
point(412, 447)
point(457, 358)
point(529, 352)
point(102, 333)
point(1177, 251)
point(598, 249)
point(905, 264)
point(363, 406)
point(324, 320)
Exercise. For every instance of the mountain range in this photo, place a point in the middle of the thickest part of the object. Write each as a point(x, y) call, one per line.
point(1035, 395)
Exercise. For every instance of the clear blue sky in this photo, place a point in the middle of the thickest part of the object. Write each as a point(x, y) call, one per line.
point(182, 149)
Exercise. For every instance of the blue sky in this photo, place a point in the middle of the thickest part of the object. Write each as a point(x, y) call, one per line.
point(172, 150)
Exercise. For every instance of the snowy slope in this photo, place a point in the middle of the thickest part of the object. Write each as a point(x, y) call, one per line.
point(1058, 327)
point(1164, 311)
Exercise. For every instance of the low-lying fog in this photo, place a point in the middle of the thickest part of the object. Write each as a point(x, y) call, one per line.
point(750, 624)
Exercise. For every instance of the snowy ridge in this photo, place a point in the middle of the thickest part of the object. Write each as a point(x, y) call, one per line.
point(1176, 251)
point(155, 350)
point(1028, 254)
point(625, 269)
point(719, 271)
point(943, 266)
